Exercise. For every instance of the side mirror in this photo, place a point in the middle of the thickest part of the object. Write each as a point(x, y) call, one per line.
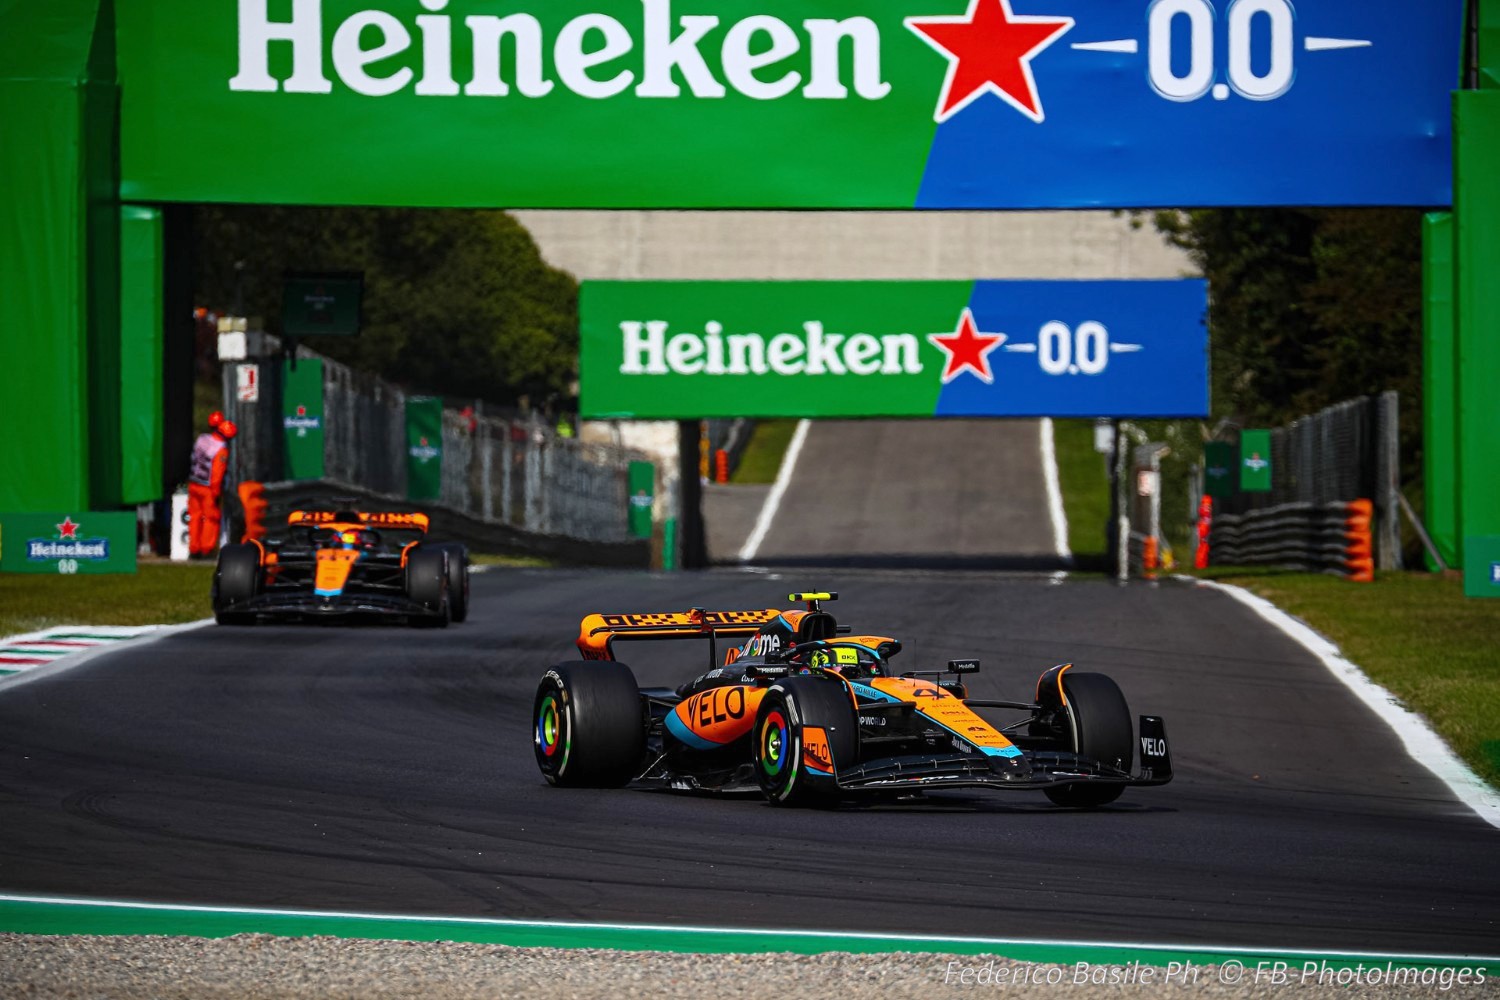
point(963, 666)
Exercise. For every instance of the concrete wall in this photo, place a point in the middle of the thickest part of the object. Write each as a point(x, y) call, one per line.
point(853, 245)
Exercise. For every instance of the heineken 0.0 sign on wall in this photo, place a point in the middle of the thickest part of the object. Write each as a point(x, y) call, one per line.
point(302, 418)
point(894, 349)
point(69, 542)
point(424, 447)
point(776, 103)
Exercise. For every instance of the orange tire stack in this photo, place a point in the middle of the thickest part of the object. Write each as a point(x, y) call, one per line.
point(1359, 554)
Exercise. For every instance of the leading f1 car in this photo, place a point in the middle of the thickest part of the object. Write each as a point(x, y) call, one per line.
point(807, 712)
point(343, 563)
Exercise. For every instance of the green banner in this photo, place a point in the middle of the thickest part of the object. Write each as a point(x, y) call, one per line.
point(302, 417)
point(424, 447)
point(1219, 480)
point(1255, 461)
point(642, 480)
point(687, 350)
point(74, 542)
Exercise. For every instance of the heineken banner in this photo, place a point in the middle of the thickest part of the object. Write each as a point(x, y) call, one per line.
point(302, 417)
point(686, 350)
point(1255, 461)
point(424, 447)
point(775, 103)
point(69, 542)
point(642, 485)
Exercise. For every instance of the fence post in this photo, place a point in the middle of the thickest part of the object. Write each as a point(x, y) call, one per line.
point(483, 442)
point(507, 459)
point(1387, 481)
point(532, 485)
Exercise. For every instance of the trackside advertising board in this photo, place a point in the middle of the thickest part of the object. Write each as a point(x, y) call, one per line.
point(774, 103)
point(684, 350)
point(68, 542)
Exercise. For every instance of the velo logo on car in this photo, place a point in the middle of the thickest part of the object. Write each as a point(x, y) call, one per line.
point(812, 104)
point(900, 349)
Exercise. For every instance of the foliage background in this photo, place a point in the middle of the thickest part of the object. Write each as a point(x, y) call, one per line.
point(455, 302)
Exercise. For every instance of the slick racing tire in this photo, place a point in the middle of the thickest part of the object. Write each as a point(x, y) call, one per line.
point(458, 580)
point(1097, 722)
point(236, 579)
point(805, 728)
point(427, 585)
point(589, 729)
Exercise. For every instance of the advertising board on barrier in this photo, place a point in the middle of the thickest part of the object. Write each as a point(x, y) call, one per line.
point(813, 103)
point(894, 349)
point(70, 542)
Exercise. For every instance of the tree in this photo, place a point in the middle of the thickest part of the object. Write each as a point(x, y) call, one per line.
point(1309, 306)
point(456, 302)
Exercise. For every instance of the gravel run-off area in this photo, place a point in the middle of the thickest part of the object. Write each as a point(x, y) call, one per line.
point(261, 967)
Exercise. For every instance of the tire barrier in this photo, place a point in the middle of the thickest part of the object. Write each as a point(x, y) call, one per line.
point(1313, 537)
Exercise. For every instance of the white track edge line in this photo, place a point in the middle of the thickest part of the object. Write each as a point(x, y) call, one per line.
point(1054, 494)
point(773, 499)
point(87, 655)
point(746, 931)
point(1422, 743)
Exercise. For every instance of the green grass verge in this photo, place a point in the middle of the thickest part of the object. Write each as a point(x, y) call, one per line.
point(1083, 479)
point(762, 458)
point(515, 562)
point(1414, 634)
point(157, 594)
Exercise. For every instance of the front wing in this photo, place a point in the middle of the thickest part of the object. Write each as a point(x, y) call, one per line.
point(1030, 769)
point(310, 605)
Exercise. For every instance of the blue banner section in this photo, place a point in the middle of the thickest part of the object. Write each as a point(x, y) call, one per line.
point(1130, 103)
point(1081, 349)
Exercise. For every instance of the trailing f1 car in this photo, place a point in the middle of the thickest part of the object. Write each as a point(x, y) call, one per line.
point(333, 563)
point(806, 712)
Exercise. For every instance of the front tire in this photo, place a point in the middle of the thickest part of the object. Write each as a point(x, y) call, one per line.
point(236, 578)
point(794, 765)
point(427, 585)
point(588, 727)
point(1096, 721)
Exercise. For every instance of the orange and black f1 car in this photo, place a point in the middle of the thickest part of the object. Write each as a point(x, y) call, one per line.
point(344, 563)
point(805, 711)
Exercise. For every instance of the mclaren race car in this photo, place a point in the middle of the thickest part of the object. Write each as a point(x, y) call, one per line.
point(344, 563)
point(806, 712)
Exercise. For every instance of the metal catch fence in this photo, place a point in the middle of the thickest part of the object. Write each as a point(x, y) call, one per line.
point(509, 469)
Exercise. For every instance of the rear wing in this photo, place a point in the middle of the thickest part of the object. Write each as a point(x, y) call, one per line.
point(597, 633)
point(390, 520)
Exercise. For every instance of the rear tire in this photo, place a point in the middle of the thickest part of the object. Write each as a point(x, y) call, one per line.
point(236, 578)
point(780, 749)
point(427, 585)
point(1098, 724)
point(458, 580)
point(588, 727)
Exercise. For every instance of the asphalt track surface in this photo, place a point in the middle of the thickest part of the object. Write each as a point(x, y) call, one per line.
point(955, 494)
point(390, 770)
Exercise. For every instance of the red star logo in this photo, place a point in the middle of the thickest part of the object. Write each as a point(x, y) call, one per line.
point(989, 50)
point(301, 411)
point(967, 348)
point(424, 442)
point(67, 529)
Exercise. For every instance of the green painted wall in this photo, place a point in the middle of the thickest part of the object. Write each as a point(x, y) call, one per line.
point(59, 339)
point(141, 334)
point(1476, 212)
